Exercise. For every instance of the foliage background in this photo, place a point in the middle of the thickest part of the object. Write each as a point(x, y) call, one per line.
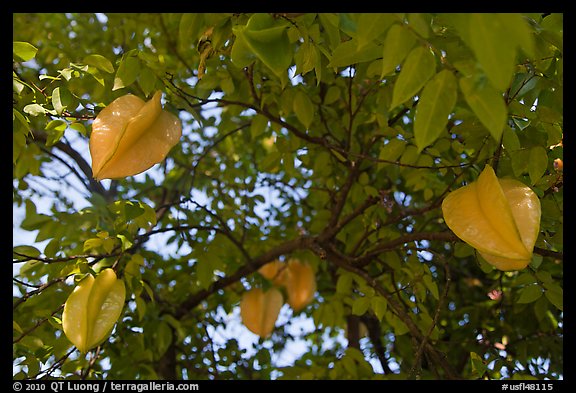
point(331, 138)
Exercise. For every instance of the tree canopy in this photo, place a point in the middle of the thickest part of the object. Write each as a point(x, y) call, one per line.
point(328, 139)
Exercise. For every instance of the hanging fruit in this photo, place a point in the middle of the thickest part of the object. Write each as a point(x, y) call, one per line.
point(259, 310)
point(275, 271)
point(498, 217)
point(92, 309)
point(300, 284)
point(129, 136)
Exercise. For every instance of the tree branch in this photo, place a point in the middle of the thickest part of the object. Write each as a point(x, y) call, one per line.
point(252, 266)
point(438, 357)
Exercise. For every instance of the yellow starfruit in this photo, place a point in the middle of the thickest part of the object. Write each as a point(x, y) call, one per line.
point(275, 271)
point(259, 310)
point(92, 309)
point(300, 283)
point(130, 136)
point(498, 217)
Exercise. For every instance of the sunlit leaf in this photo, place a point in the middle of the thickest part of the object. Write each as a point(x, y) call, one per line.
point(398, 43)
point(23, 51)
point(434, 107)
point(419, 66)
point(487, 104)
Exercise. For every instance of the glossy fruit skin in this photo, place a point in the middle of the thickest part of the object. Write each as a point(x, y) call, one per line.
point(498, 217)
point(259, 310)
point(92, 309)
point(129, 136)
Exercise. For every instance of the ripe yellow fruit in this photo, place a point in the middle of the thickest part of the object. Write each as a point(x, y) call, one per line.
point(259, 310)
point(298, 278)
point(300, 283)
point(498, 217)
point(92, 309)
point(129, 136)
point(275, 271)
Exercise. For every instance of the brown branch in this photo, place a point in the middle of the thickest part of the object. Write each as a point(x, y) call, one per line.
point(439, 307)
point(36, 325)
point(438, 357)
point(407, 238)
point(93, 185)
point(39, 289)
point(375, 335)
point(332, 230)
point(253, 265)
point(332, 227)
point(57, 364)
point(549, 253)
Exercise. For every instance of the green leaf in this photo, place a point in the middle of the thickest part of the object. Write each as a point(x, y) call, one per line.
point(62, 100)
point(79, 127)
point(477, 363)
point(189, 29)
point(350, 366)
point(126, 243)
point(99, 62)
point(128, 71)
point(379, 305)
point(392, 150)
point(132, 210)
point(419, 23)
point(55, 130)
point(344, 284)
point(20, 252)
point(306, 58)
point(264, 38)
point(530, 294)
point(147, 81)
point(537, 163)
point(330, 23)
point(162, 338)
point(519, 31)
point(91, 244)
point(419, 66)
point(23, 51)
point(205, 273)
point(349, 52)
point(140, 308)
point(371, 26)
point(303, 108)
point(258, 126)
point(23, 122)
point(494, 47)
point(431, 285)
point(519, 160)
point(241, 54)
point(510, 140)
point(35, 109)
point(398, 43)
point(397, 324)
point(555, 295)
point(360, 305)
point(487, 104)
point(435, 105)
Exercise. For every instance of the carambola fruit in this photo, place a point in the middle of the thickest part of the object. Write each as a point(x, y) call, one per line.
point(129, 136)
point(300, 284)
point(92, 309)
point(498, 217)
point(275, 271)
point(259, 310)
point(297, 277)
